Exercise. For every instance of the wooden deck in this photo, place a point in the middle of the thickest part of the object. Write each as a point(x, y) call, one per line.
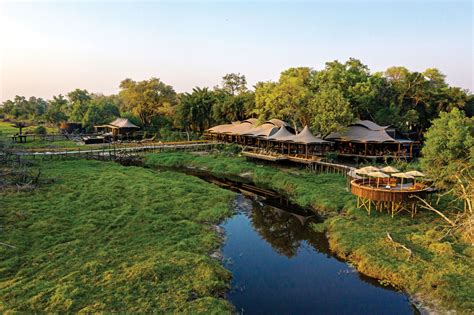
point(266, 157)
point(385, 194)
point(394, 199)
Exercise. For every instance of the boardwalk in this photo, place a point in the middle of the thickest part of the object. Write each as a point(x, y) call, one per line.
point(113, 152)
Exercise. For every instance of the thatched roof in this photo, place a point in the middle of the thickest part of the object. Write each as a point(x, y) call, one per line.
point(365, 131)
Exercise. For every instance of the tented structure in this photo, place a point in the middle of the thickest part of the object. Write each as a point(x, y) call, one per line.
point(366, 138)
point(120, 126)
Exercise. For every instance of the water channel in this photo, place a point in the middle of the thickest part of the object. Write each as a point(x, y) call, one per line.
point(280, 265)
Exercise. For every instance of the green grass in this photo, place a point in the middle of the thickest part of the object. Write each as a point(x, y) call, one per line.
point(103, 237)
point(40, 144)
point(438, 269)
point(441, 271)
point(324, 192)
point(7, 129)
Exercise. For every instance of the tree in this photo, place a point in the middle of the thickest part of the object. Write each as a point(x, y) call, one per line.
point(101, 109)
point(234, 83)
point(230, 107)
point(288, 99)
point(264, 98)
point(148, 99)
point(330, 111)
point(79, 103)
point(448, 158)
point(194, 110)
point(57, 109)
point(351, 79)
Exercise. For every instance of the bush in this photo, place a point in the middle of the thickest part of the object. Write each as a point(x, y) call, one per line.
point(40, 130)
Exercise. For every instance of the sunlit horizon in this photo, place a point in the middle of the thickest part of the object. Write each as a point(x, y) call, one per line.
point(52, 48)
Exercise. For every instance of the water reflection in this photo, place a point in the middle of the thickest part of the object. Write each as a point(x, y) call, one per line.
point(280, 265)
point(282, 230)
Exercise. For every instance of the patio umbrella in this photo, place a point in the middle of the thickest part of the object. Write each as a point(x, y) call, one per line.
point(402, 176)
point(378, 175)
point(415, 174)
point(362, 171)
point(370, 168)
point(389, 169)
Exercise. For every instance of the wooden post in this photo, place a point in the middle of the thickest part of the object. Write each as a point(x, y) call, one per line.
point(365, 149)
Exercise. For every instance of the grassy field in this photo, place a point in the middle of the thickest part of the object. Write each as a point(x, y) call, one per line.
point(7, 129)
point(440, 270)
point(103, 237)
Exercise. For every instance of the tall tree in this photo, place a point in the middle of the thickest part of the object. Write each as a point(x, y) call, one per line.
point(57, 108)
point(330, 111)
point(148, 99)
point(448, 158)
point(79, 103)
point(194, 110)
point(234, 83)
point(288, 99)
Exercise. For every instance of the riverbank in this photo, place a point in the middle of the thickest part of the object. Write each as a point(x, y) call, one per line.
point(439, 271)
point(99, 237)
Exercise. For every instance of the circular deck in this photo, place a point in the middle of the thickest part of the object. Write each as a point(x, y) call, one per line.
point(365, 189)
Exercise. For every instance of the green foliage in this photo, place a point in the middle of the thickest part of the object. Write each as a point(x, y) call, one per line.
point(57, 110)
point(145, 248)
point(234, 83)
point(41, 130)
point(288, 99)
point(449, 148)
point(79, 102)
point(148, 99)
point(100, 110)
point(194, 109)
point(330, 111)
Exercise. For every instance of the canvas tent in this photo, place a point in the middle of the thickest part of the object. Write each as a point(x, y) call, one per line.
point(120, 126)
point(366, 138)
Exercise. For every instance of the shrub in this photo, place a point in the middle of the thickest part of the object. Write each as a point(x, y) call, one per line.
point(40, 130)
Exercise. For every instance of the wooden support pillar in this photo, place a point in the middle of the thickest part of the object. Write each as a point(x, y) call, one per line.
point(411, 149)
point(365, 149)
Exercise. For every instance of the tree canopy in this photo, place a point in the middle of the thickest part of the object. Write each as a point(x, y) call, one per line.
point(148, 99)
point(325, 99)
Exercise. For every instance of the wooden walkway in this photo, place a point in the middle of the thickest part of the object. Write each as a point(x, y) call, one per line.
point(115, 152)
point(312, 164)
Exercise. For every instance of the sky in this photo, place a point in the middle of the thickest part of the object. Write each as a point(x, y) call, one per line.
point(48, 48)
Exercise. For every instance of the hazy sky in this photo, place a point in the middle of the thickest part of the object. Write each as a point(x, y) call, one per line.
point(47, 48)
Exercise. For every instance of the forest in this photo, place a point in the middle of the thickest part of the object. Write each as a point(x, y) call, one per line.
point(326, 100)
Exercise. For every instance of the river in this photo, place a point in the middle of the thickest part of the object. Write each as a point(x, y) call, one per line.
point(281, 266)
